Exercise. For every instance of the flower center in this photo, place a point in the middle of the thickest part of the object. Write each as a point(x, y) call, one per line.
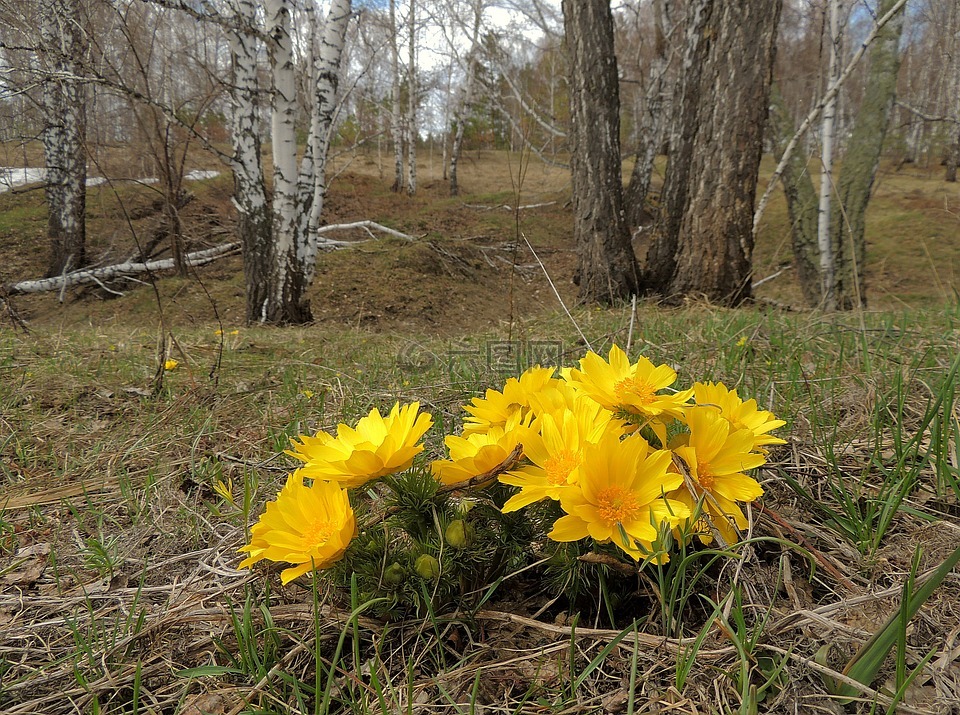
point(635, 388)
point(617, 505)
point(317, 533)
point(704, 476)
point(558, 468)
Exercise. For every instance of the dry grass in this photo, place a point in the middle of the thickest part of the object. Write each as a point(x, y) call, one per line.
point(118, 558)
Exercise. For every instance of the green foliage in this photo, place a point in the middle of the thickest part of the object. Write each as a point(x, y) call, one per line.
point(423, 550)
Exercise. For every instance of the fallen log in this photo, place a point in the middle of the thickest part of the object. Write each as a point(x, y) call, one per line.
point(119, 270)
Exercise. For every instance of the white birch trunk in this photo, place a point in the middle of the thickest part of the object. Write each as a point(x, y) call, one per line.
point(327, 79)
point(396, 128)
point(826, 157)
point(412, 104)
point(466, 96)
point(64, 134)
point(250, 197)
point(286, 267)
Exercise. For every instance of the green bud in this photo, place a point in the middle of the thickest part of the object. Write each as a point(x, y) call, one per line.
point(394, 574)
point(458, 533)
point(427, 567)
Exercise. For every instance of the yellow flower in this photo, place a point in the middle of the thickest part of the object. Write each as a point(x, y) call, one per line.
point(475, 454)
point(496, 408)
point(225, 490)
point(307, 526)
point(742, 341)
point(717, 457)
point(307, 393)
point(171, 364)
point(740, 414)
point(378, 446)
point(554, 445)
point(635, 388)
point(619, 497)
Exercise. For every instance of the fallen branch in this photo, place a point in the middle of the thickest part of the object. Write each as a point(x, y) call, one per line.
point(365, 225)
point(96, 275)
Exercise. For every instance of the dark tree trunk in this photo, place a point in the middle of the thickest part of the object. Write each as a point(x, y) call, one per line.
point(607, 267)
point(64, 136)
point(661, 257)
point(705, 247)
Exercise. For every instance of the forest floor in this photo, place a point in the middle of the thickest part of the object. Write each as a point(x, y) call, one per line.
point(118, 583)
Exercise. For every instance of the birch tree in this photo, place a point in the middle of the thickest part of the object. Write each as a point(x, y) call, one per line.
point(855, 181)
point(279, 236)
point(62, 44)
point(826, 160)
point(396, 116)
point(412, 130)
point(467, 89)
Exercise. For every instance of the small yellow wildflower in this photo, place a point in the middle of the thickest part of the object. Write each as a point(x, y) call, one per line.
point(496, 408)
point(225, 490)
point(171, 364)
point(307, 393)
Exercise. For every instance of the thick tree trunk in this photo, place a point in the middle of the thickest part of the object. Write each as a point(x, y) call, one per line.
point(64, 135)
point(861, 162)
point(661, 260)
point(287, 302)
point(709, 219)
point(607, 267)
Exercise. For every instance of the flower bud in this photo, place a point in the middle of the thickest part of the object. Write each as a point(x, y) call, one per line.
point(427, 567)
point(394, 574)
point(458, 534)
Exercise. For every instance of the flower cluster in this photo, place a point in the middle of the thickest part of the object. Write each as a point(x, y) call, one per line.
point(622, 452)
point(626, 457)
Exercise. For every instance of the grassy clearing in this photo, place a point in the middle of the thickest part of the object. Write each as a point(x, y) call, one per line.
point(118, 584)
point(117, 554)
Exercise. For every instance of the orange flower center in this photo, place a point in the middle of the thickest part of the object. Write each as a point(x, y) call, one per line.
point(635, 388)
point(317, 533)
point(704, 476)
point(617, 505)
point(558, 468)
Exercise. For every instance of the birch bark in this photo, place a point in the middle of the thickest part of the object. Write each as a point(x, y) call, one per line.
point(64, 134)
point(826, 159)
point(462, 110)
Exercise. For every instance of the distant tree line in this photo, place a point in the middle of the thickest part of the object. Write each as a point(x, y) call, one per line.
point(710, 84)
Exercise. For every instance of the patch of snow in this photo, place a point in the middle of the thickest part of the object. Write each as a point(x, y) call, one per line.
point(17, 176)
point(11, 176)
point(200, 175)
